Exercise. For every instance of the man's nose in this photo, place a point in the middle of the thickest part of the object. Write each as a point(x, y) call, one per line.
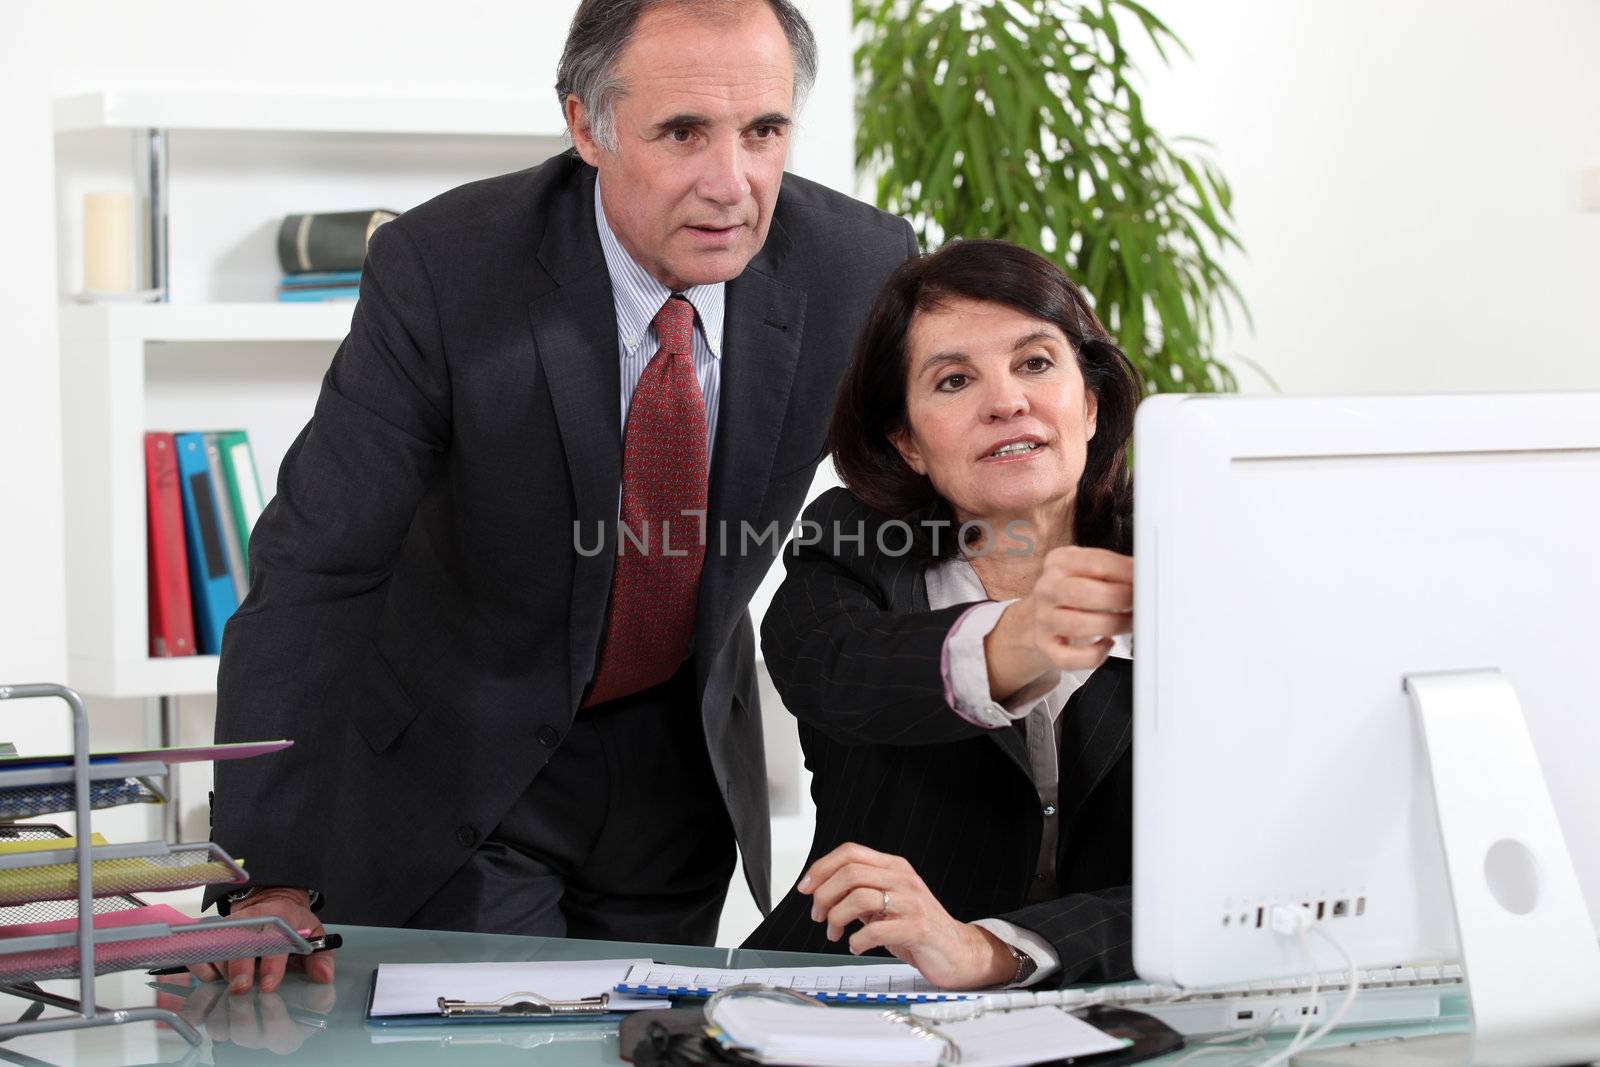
point(724, 181)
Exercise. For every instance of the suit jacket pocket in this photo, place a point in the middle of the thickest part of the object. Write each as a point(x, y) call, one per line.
point(379, 703)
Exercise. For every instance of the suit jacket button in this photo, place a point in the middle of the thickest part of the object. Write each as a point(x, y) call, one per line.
point(548, 737)
point(466, 836)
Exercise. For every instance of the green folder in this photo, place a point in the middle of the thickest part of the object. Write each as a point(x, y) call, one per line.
point(244, 487)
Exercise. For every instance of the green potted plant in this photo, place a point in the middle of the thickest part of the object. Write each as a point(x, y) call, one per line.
point(1018, 119)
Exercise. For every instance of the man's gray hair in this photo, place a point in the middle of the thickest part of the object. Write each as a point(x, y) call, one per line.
point(602, 29)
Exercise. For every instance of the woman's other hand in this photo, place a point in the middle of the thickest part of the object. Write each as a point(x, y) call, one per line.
point(853, 883)
point(1082, 599)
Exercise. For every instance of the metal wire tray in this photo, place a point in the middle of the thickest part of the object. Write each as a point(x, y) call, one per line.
point(117, 869)
point(49, 956)
point(28, 801)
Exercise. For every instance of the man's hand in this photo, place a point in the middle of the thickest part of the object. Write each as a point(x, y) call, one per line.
point(849, 885)
point(293, 906)
point(278, 1022)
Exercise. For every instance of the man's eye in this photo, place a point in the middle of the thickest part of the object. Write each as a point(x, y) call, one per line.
point(680, 135)
point(764, 132)
point(951, 382)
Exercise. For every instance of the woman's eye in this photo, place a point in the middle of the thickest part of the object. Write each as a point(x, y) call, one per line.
point(1038, 363)
point(950, 383)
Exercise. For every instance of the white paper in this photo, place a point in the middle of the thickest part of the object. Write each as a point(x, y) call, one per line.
point(415, 988)
point(1029, 1035)
point(778, 1032)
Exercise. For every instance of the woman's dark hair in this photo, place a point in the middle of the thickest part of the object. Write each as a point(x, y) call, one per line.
point(872, 397)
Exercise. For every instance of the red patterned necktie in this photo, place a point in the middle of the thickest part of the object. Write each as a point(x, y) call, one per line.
point(660, 548)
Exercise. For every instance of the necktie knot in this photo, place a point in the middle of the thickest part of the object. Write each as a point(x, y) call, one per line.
point(674, 325)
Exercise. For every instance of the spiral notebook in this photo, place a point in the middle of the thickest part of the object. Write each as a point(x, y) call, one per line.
point(888, 983)
point(801, 1035)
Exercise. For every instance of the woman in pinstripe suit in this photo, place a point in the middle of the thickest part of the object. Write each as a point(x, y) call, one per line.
point(951, 634)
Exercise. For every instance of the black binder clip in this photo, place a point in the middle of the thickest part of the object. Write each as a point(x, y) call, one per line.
point(523, 1004)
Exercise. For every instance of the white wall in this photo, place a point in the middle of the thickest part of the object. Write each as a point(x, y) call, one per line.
point(32, 619)
point(1406, 176)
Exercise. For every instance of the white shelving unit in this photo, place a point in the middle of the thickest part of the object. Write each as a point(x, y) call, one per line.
point(110, 351)
point(142, 109)
point(103, 362)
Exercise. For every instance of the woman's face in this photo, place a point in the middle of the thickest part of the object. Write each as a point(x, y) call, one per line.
point(998, 416)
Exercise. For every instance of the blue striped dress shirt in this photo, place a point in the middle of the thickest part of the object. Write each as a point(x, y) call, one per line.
point(638, 297)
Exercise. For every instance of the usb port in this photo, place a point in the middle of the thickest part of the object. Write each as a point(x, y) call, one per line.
point(1245, 1015)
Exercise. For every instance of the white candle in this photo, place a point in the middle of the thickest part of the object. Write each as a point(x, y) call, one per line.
point(107, 242)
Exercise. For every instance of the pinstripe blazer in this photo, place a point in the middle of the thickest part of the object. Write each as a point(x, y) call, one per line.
point(855, 653)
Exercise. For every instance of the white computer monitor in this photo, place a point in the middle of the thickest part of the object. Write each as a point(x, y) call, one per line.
point(1296, 561)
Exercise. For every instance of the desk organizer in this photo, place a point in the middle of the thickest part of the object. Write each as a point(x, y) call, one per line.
point(89, 879)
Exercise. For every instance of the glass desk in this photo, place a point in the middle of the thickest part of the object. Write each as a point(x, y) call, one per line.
point(304, 1023)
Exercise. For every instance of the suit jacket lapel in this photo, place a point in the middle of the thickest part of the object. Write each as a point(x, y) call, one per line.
point(1096, 731)
point(1011, 739)
point(761, 349)
point(575, 331)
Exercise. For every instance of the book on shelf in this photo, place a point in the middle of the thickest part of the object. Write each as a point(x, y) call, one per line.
point(318, 294)
point(205, 518)
point(328, 241)
point(232, 540)
point(321, 279)
point(171, 614)
point(244, 488)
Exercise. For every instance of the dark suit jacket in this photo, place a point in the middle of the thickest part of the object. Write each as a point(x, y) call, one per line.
point(419, 621)
point(855, 653)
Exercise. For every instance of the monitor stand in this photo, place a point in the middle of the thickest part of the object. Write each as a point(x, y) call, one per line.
point(1527, 944)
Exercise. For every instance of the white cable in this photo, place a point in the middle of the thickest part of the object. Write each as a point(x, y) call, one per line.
point(1300, 921)
point(1352, 976)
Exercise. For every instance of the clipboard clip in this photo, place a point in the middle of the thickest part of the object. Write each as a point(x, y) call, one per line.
point(524, 1004)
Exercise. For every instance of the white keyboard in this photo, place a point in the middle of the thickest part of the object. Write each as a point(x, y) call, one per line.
point(1388, 995)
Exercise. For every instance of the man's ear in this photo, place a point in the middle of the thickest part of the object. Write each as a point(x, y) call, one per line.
point(582, 130)
point(907, 447)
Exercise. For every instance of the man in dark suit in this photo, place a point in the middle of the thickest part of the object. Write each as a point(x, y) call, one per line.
point(507, 717)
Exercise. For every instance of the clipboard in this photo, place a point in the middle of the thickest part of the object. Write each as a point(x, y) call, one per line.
point(438, 1018)
point(498, 993)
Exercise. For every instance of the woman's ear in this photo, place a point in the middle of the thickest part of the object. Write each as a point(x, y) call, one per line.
point(906, 445)
point(1091, 412)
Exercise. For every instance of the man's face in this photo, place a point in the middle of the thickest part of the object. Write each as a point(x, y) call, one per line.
point(702, 129)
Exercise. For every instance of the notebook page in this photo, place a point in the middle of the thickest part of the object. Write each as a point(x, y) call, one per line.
point(776, 1032)
point(1030, 1035)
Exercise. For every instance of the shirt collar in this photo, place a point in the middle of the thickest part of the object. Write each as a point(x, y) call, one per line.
point(638, 295)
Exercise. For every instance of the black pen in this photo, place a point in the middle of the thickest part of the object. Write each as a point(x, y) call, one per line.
point(326, 943)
